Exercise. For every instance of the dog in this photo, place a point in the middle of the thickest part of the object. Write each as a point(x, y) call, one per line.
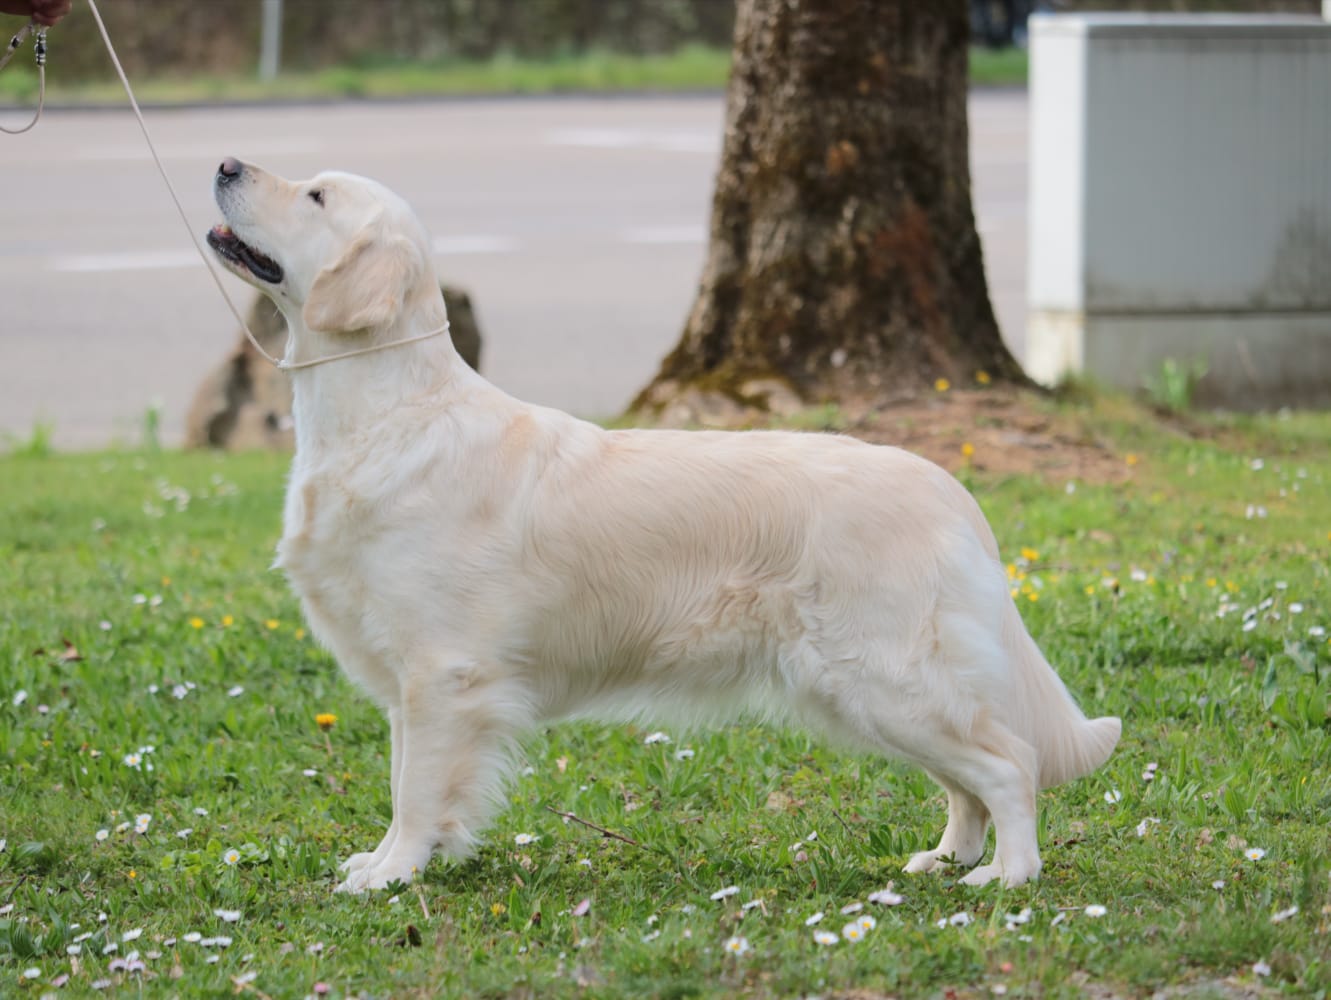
point(481, 566)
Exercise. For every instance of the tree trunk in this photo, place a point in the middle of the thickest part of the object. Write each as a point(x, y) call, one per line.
point(844, 259)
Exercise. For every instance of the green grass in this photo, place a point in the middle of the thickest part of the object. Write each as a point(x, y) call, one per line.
point(126, 574)
point(691, 68)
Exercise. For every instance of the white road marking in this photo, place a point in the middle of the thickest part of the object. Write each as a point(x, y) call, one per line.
point(200, 151)
point(659, 235)
point(456, 245)
point(444, 246)
point(626, 138)
point(142, 260)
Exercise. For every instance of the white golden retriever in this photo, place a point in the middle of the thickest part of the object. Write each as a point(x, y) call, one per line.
point(482, 566)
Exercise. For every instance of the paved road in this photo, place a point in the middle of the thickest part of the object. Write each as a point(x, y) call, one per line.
point(577, 224)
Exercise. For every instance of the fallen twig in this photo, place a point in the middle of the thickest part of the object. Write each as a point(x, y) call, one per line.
point(592, 826)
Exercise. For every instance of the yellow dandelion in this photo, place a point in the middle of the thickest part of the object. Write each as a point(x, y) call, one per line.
point(498, 908)
point(1131, 459)
point(1034, 595)
point(325, 720)
point(1210, 581)
point(196, 622)
point(300, 633)
point(133, 873)
point(982, 377)
point(967, 450)
point(1090, 589)
point(272, 624)
point(1030, 555)
point(1011, 571)
point(942, 385)
point(227, 621)
point(1231, 586)
point(166, 581)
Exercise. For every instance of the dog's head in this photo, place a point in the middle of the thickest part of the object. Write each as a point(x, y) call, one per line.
point(339, 253)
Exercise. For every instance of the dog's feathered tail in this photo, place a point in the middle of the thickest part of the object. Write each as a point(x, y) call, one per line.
point(1067, 744)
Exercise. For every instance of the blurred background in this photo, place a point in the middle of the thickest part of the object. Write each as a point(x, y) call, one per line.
point(562, 152)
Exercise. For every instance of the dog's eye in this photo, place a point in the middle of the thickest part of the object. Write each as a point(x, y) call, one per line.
point(317, 196)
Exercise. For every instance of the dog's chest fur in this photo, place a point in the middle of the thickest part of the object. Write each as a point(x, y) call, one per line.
point(326, 543)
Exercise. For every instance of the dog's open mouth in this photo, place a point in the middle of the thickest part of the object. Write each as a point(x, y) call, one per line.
point(231, 247)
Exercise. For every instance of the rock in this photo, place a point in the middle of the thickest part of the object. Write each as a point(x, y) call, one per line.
point(245, 402)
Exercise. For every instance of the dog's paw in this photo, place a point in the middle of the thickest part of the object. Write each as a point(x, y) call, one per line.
point(926, 861)
point(371, 877)
point(1011, 876)
point(356, 862)
point(378, 874)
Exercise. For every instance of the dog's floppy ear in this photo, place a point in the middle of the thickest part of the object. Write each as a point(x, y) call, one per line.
point(366, 286)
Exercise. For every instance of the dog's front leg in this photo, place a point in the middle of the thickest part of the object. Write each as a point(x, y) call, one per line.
point(356, 862)
point(458, 724)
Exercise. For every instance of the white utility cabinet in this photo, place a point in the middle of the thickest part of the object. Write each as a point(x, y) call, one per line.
point(1180, 203)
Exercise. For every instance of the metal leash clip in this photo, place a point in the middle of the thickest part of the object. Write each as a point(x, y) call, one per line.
point(38, 31)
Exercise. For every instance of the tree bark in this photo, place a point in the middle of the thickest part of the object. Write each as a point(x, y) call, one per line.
point(843, 258)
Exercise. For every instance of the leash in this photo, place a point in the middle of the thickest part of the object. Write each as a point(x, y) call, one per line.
point(38, 31)
point(280, 363)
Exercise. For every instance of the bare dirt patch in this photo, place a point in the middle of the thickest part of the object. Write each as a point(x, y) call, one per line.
point(995, 431)
point(998, 432)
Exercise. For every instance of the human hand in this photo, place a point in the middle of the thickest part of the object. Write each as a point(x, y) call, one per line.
point(44, 12)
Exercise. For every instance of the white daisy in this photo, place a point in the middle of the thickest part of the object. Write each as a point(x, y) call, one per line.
point(886, 897)
point(1280, 916)
point(825, 938)
point(737, 946)
point(730, 890)
point(1095, 910)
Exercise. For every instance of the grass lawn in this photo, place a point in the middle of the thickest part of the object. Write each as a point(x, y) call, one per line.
point(691, 68)
point(171, 814)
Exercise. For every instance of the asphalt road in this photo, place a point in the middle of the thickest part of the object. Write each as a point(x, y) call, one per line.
point(577, 225)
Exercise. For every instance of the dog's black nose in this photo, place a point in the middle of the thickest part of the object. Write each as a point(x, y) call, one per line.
point(229, 170)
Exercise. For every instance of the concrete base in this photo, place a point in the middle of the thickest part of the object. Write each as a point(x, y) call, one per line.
point(1252, 361)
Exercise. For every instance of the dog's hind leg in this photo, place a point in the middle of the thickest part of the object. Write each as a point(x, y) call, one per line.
point(459, 725)
point(963, 838)
point(983, 764)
